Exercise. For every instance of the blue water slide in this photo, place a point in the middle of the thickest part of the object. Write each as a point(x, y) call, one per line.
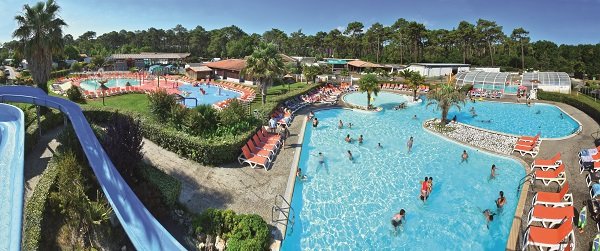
point(12, 136)
point(144, 231)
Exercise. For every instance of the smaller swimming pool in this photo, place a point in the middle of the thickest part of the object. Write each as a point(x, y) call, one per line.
point(205, 94)
point(92, 84)
point(509, 89)
point(387, 100)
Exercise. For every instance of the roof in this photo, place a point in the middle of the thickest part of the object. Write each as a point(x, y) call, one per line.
point(482, 77)
point(547, 78)
point(364, 64)
point(441, 64)
point(151, 55)
point(228, 64)
point(199, 68)
point(287, 58)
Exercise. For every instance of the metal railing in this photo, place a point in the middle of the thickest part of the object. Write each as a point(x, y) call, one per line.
point(286, 210)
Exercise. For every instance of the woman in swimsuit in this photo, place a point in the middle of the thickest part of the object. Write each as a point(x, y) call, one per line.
point(501, 200)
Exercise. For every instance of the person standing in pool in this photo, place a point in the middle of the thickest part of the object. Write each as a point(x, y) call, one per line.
point(350, 156)
point(349, 125)
point(348, 139)
point(425, 189)
point(398, 219)
point(409, 144)
point(561, 116)
point(464, 156)
point(501, 200)
point(360, 139)
point(321, 159)
point(315, 122)
point(340, 124)
point(379, 145)
point(493, 172)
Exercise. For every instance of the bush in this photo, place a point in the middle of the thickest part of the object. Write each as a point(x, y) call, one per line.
point(36, 207)
point(581, 102)
point(74, 94)
point(242, 232)
point(160, 104)
point(178, 115)
point(76, 67)
point(123, 143)
point(169, 187)
point(202, 119)
point(61, 73)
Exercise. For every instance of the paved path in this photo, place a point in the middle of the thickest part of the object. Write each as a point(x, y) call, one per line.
point(37, 159)
point(230, 186)
point(569, 149)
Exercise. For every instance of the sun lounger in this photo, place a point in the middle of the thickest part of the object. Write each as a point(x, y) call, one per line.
point(557, 175)
point(264, 144)
point(549, 216)
point(529, 138)
point(270, 135)
point(590, 166)
point(546, 164)
point(252, 160)
point(560, 199)
point(549, 238)
point(532, 150)
point(264, 152)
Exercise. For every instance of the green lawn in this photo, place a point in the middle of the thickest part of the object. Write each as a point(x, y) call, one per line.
point(129, 102)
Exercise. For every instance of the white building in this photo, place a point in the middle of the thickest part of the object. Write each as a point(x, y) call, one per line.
point(431, 70)
point(548, 81)
point(486, 69)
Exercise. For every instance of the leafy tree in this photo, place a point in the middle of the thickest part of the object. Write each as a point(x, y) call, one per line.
point(76, 67)
point(202, 119)
point(160, 104)
point(310, 72)
point(413, 79)
point(445, 96)
point(123, 143)
point(71, 52)
point(370, 85)
point(264, 65)
point(40, 30)
point(74, 94)
point(520, 35)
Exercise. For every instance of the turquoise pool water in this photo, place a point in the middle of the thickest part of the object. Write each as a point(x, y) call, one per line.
point(511, 118)
point(347, 205)
point(211, 94)
point(92, 84)
point(11, 176)
point(509, 89)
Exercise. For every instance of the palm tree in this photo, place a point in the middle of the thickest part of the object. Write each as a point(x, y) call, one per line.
point(413, 79)
point(369, 84)
point(446, 96)
point(264, 65)
point(40, 31)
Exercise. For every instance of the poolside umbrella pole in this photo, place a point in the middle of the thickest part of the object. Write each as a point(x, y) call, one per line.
point(103, 88)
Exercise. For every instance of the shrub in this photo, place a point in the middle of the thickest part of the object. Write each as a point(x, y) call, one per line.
point(160, 104)
point(232, 114)
point(242, 232)
point(61, 73)
point(76, 67)
point(202, 119)
point(123, 143)
point(178, 114)
point(74, 94)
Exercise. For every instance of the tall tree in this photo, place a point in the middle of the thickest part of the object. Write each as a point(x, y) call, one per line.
point(355, 31)
point(490, 33)
point(465, 33)
point(40, 30)
point(519, 35)
point(264, 65)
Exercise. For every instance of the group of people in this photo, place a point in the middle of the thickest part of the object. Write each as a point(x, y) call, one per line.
point(489, 214)
point(426, 187)
point(341, 125)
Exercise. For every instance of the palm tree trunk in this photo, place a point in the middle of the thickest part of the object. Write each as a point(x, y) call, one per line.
point(415, 93)
point(263, 91)
point(522, 57)
point(445, 110)
point(368, 100)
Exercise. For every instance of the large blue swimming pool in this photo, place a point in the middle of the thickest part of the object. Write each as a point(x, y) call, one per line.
point(212, 94)
point(517, 119)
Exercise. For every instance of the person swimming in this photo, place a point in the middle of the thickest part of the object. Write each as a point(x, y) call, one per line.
point(315, 122)
point(486, 121)
point(415, 117)
point(429, 186)
point(379, 145)
point(350, 156)
point(300, 175)
point(360, 139)
point(489, 216)
point(340, 124)
point(493, 172)
point(409, 144)
point(464, 156)
point(311, 114)
point(398, 218)
point(321, 158)
point(454, 118)
point(349, 125)
point(348, 139)
point(561, 116)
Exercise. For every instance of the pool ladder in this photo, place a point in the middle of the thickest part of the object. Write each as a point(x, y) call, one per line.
point(525, 178)
point(283, 208)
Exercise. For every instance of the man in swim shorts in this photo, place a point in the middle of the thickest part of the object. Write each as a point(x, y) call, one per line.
point(398, 218)
point(465, 157)
point(409, 144)
point(315, 122)
point(501, 200)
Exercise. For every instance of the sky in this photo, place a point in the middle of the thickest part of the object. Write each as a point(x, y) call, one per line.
point(560, 21)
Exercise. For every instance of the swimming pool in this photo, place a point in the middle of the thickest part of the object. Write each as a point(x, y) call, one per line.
point(346, 205)
point(509, 89)
point(511, 118)
point(212, 94)
point(92, 84)
point(11, 176)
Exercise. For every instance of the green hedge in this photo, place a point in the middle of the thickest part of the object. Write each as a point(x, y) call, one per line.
point(581, 102)
point(35, 208)
point(169, 187)
point(205, 151)
point(61, 73)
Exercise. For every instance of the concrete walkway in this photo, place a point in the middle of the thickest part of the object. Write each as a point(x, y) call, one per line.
point(37, 159)
point(569, 148)
point(231, 186)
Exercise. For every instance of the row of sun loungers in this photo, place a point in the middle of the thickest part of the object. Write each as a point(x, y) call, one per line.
point(528, 145)
point(402, 87)
point(486, 94)
point(550, 219)
point(261, 149)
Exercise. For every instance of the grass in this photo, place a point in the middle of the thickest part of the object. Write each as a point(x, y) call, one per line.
point(137, 103)
point(276, 91)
